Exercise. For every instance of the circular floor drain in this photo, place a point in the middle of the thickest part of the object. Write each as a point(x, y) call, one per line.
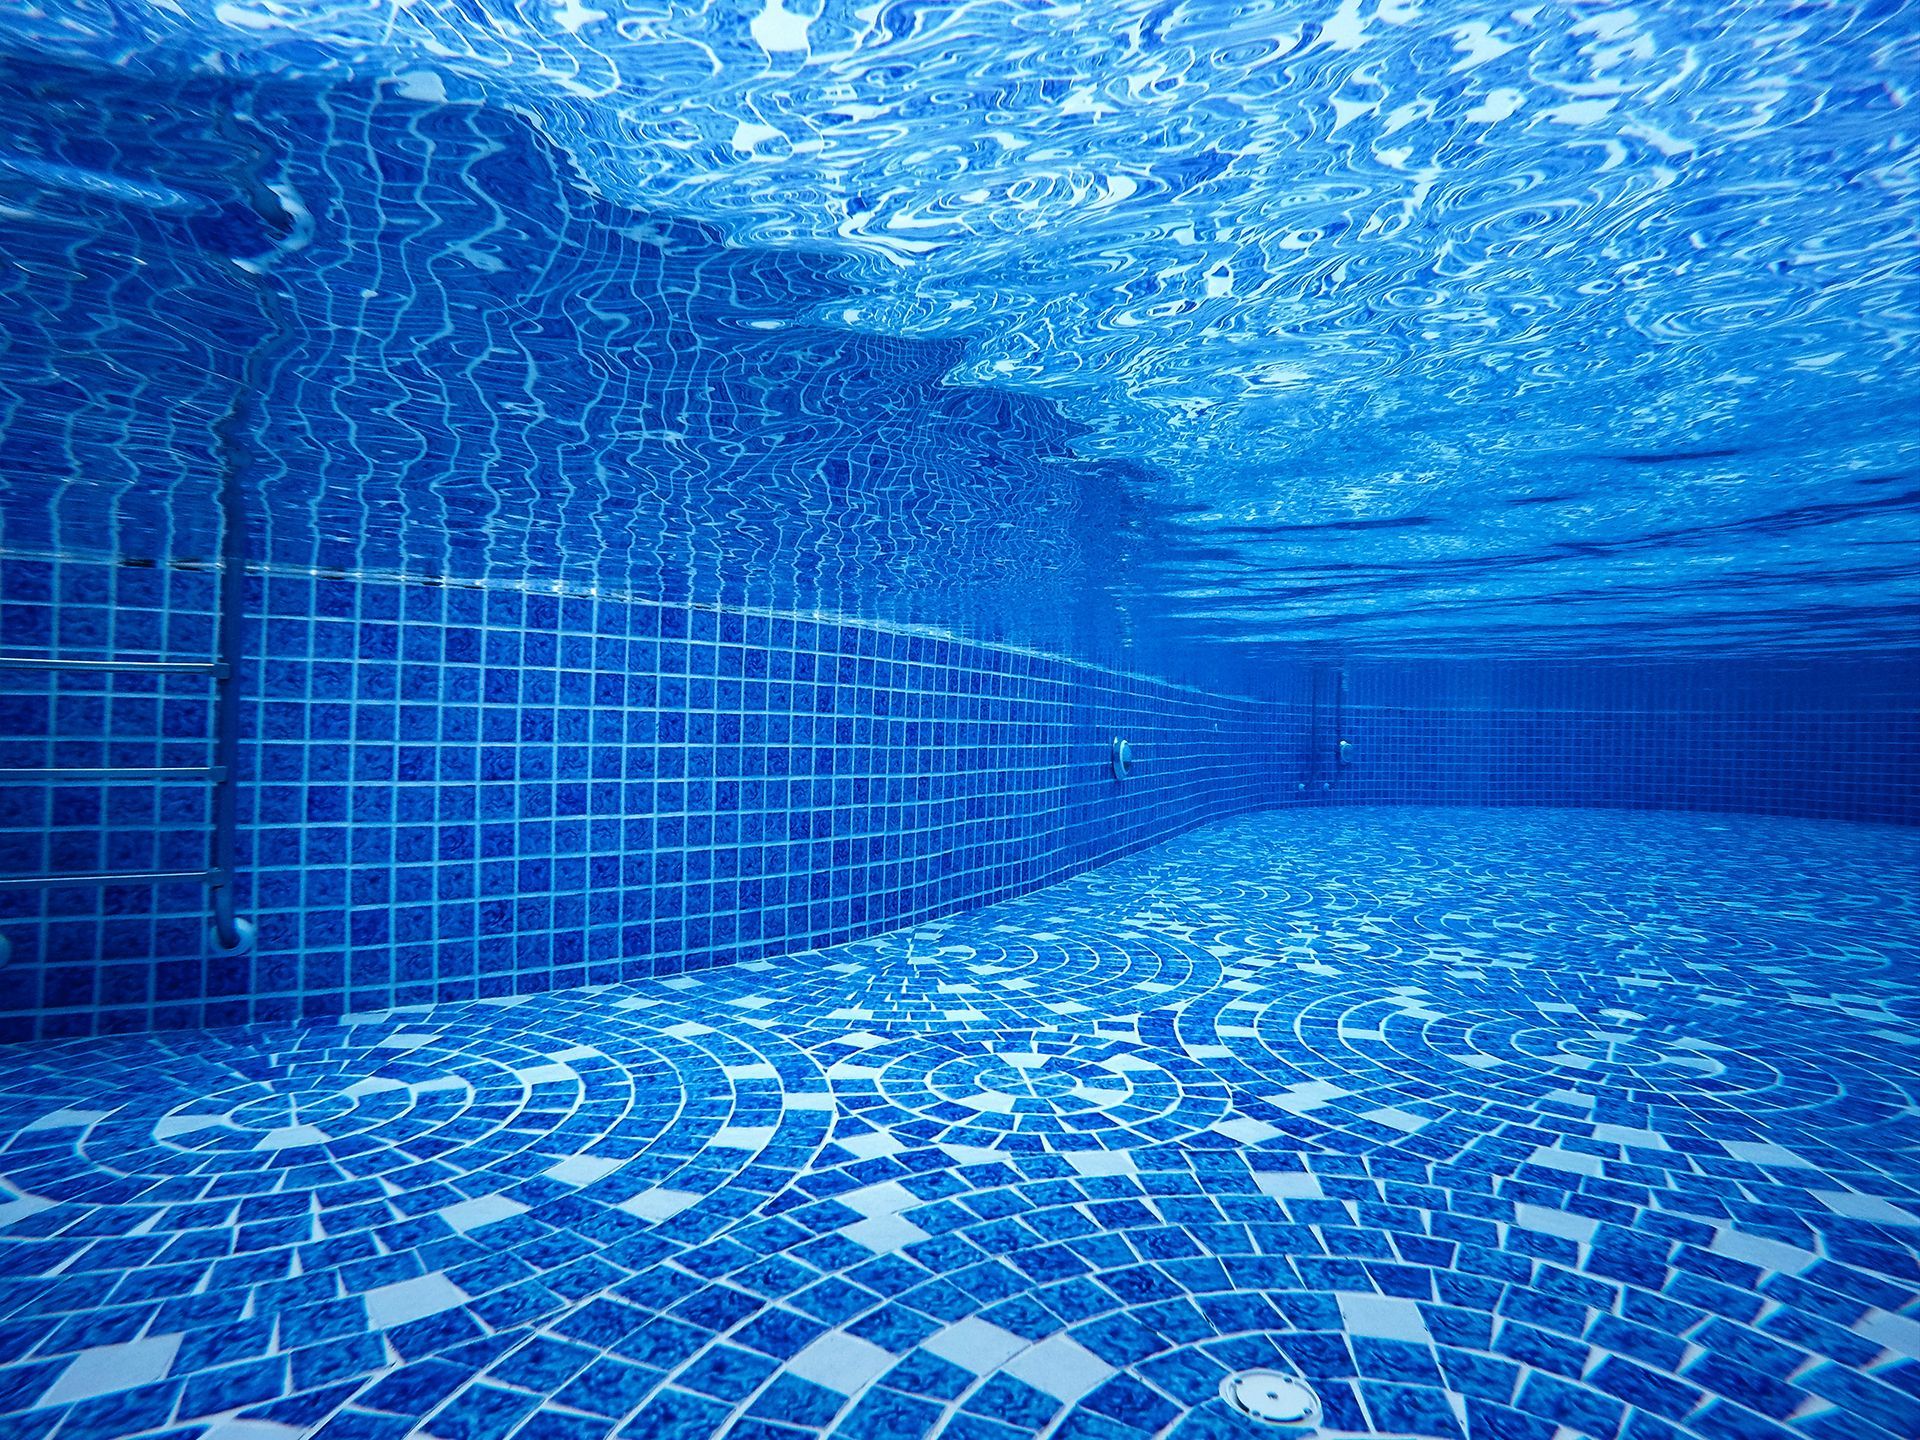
point(1272, 1397)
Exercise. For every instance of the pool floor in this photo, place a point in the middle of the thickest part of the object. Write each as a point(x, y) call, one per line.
point(1519, 1124)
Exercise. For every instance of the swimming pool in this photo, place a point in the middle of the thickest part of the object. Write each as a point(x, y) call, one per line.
point(1482, 1122)
point(1012, 718)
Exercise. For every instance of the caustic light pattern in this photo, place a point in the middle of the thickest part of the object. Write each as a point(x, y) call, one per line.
point(1525, 1125)
point(1294, 319)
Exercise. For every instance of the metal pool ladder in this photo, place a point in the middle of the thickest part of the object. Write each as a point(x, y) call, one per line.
point(230, 933)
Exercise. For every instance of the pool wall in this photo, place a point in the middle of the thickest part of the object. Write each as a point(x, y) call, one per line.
point(453, 792)
point(1818, 738)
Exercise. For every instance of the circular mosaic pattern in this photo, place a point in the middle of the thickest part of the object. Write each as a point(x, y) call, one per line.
point(1027, 1091)
point(1416, 1065)
point(973, 974)
point(1017, 1297)
point(1763, 907)
point(401, 1107)
point(1563, 1140)
point(434, 1178)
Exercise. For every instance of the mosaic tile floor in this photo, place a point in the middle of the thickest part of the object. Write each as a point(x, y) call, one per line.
point(1533, 1125)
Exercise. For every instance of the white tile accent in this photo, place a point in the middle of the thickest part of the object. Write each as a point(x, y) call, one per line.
point(285, 1137)
point(843, 1363)
point(975, 1346)
point(762, 1071)
point(1101, 1162)
point(1549, 1221)
point(742, 1137)
point(1759, 1250)
point(486, 1210)
point(1759, 1152)
point(870, 1146)
point(405, 1301)
point(1308, 1095)
point(889, 1197)
point(234, 1428)
point(1384, 1317)
point(107, 1368)
point(1285, 1185)
point(1060, 1366)
point(1574, 1162)
point(582, 1169)
point(1891, 1332)
point(884, 1233)
point(989, 1102)
point(554, 1074)
point(1631, 1137)
point(67, 1120)
point(1245, 1130)
point(169, 1126)
point(1856, 1206)
point(658, 1203)
point(20, 1207)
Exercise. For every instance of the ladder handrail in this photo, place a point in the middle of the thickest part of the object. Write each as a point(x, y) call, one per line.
point(102, 877)
point(54, 774)
point(214, 668)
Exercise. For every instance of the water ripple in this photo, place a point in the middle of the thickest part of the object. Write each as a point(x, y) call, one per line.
point(1313, 262)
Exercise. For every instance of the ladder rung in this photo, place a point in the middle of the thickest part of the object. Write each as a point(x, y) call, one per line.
point(56, 773)
point(110, 877)
point(110, 667)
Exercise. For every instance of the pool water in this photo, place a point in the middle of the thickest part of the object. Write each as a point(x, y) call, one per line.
point(1537, 1124)
point(1135, 330)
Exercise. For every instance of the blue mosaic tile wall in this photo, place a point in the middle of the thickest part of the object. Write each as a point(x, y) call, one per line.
point(1829, 740)
point(456, 792)
point(453, 792)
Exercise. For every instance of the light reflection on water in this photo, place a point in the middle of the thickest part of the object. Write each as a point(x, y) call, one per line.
point(1575, 327)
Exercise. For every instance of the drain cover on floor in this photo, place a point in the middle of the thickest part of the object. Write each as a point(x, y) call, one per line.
point(1271, 1397)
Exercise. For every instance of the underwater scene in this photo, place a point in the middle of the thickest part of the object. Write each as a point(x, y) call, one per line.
point(1250, 325)
point(985, 719)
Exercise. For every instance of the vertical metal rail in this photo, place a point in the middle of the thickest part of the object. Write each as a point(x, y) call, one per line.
point(234, 432)
point(1342, 746)
point(1328, 750)
point(1310, 769)
point(230, 933)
